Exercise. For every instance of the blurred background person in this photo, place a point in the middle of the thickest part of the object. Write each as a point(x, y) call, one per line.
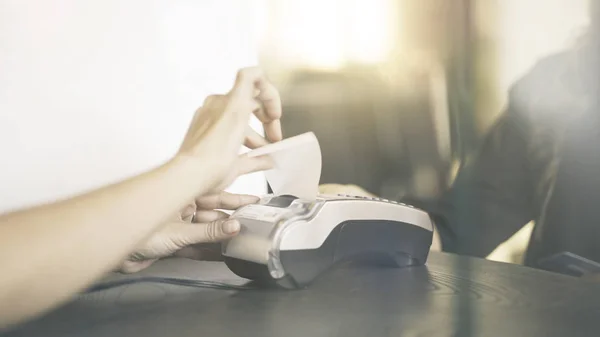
point(403, 95)
point(536, 163)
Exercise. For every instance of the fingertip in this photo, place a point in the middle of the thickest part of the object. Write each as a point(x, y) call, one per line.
point(262, 163)
point(254, 140)
point(231, 227)
point(187, 214)
point(240, 200)
point(247, 199)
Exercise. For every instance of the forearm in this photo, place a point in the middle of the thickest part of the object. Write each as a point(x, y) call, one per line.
point(50, 252)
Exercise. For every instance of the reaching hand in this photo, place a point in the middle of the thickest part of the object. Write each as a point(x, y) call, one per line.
point(215, 136)
point(196, 232)
point(221, 126)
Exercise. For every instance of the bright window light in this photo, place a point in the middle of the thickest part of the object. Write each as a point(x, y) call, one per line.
point(331, 33)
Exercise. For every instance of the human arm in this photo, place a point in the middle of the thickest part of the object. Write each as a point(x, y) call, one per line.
point(50, 252)
point(491, 198)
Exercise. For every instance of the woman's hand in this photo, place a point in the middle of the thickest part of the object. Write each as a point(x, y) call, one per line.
point(220, 127)
point(70, 246)
point(196, 232)
point(212, 143)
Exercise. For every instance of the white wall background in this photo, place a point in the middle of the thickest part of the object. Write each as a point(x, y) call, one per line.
point(92, 92)
point(532, 29)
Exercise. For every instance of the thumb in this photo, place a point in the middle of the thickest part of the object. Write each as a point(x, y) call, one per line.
point(215, 231)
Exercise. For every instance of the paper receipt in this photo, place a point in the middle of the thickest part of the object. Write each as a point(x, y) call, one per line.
point(297, 169)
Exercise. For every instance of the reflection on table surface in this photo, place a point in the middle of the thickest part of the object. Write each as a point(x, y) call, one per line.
point(450, 296)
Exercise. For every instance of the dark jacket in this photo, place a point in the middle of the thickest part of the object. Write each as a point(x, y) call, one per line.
point(540, 161)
